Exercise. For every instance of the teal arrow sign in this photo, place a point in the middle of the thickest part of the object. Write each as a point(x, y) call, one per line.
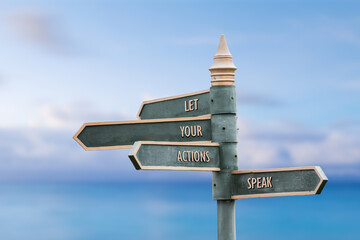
point(186, 105)
point(123, 134)
point(278, 182)
point(149, 155)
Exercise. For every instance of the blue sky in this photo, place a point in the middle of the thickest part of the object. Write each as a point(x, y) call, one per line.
point(63, 63)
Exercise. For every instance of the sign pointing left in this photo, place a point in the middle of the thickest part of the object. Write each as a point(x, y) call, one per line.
point(123, 134)
point(177, 156)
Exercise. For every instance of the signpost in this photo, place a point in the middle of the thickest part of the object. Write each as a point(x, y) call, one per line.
point(278, 182)
point(123, 134)
point(175, 156)
point(186, 105)
point(197, 132)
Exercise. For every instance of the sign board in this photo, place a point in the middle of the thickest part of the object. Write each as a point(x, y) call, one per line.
point(123, 134)
point(150, 155)
point(186, 105)
point(278, 182)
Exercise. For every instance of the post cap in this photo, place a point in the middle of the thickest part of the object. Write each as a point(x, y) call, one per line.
point(223, 68)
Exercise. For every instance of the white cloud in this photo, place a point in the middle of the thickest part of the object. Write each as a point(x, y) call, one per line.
point(50, 153)
point(338, 148)
point(291, 145)
point(254, 155)
point(71, 116)
point(36, 146)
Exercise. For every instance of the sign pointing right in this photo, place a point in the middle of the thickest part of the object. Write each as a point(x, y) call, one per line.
point(278, 182)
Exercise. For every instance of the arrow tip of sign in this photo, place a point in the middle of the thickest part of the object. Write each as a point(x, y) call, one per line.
point(76, 137)
point(132, 155)
point(323, 179)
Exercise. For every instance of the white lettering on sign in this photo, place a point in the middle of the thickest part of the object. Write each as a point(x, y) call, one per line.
point(259, 182)
point(191, 105)
point(193, 131)
point(193, 156)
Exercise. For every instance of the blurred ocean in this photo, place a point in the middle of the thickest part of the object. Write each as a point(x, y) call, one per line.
point(173, 210)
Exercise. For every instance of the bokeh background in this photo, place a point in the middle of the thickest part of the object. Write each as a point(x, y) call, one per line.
point(63, 63)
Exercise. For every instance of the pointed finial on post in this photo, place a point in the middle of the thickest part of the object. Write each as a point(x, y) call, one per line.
point(223, 68)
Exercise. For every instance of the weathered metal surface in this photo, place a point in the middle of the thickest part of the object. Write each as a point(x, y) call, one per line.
point(186, 105)
point(221, 185)
point(175, 156)
point(224, 131)
point(123, 134)
point(228, 156)
point(223, 100)
point(278, 182)
point(226, 220)
point(224, 128)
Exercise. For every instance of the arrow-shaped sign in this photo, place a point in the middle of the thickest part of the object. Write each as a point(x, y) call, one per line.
point(186, 105)
point(278, 182)
point(149, 155)
point(123, 134)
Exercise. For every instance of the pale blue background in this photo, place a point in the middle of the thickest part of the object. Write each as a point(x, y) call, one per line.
point(63, 63)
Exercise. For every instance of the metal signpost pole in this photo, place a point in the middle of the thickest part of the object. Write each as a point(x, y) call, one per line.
point(224, 132)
